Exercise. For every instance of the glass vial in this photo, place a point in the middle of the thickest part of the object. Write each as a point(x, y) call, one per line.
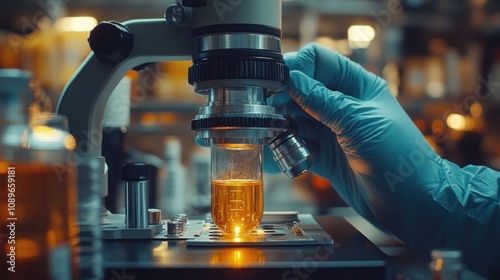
point(237, 187)
point(38, 218)
point(173, 182)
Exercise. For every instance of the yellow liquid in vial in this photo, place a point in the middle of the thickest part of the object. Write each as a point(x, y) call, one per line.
point(44, 239)
point(237, 205)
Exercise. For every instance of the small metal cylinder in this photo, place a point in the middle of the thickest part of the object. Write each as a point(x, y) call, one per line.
point(180, 222)
point(183, 217)
point(173, 228)
point(154, 216)
point(135, 176)
point(136, 208)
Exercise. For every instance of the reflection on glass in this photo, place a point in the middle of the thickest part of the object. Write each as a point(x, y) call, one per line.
point(239, 257)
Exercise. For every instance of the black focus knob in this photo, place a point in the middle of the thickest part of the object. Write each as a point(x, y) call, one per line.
point(137, 171)
point(194, 3)
point(111, 42)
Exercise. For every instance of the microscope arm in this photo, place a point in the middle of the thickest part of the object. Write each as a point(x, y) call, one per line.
point(85, 96)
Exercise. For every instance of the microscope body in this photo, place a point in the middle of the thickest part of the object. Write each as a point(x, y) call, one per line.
point(235, 47)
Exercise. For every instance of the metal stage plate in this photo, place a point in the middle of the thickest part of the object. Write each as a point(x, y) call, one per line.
point(276, 229)
point(273, 231)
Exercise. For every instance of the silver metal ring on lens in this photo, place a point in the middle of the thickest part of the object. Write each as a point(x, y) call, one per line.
point(259, 136)
point(237, 41)
point(246, 102)
point(262, 111)
point(243, 95)
point(203, 87)
point(250, 101)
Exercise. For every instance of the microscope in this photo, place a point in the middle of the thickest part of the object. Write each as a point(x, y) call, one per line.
point(235, 48)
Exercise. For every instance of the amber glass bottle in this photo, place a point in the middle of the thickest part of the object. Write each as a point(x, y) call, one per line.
point(38, 226)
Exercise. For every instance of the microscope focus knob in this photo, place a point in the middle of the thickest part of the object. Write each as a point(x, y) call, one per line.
point(111, 42)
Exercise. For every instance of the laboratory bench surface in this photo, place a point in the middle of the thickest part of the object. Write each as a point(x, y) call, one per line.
point(352, 256)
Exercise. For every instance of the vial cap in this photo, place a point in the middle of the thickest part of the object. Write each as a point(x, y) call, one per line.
point(137, 171)
point(15, 93)
point(173, 148)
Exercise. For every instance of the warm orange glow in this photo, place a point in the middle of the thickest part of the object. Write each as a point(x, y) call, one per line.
point(476, 110)
point(437, 46)
point(438, 265)
point(456, 121)
point(437, 125)
point(42, 136)
point(76, 24)
point(229, 199)
point(237, 146)
point(148, 119)
point(320, 183)
point(433, 144)
point(162, 254)
point(421, 124)
point(460, 123)
point(3, 167)
point(237, 257)
point(26, 248)
point(69, 142)
point(151, 119)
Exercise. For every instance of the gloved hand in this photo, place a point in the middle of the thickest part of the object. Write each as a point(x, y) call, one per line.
point(380, 163)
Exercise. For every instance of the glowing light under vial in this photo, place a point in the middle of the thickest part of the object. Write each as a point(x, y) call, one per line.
point(237, 230)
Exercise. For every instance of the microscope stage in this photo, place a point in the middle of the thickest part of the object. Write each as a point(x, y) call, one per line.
point(276, 229)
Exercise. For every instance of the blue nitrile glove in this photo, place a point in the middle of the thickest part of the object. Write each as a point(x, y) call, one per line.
point(380, 163)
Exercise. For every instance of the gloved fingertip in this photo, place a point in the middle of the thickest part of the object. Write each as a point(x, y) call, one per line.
point(301, 85)
point(314, 98)
point(200, 142)
point(289, 55)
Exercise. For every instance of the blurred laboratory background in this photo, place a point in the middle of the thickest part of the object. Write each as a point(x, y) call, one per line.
point(440, 58)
